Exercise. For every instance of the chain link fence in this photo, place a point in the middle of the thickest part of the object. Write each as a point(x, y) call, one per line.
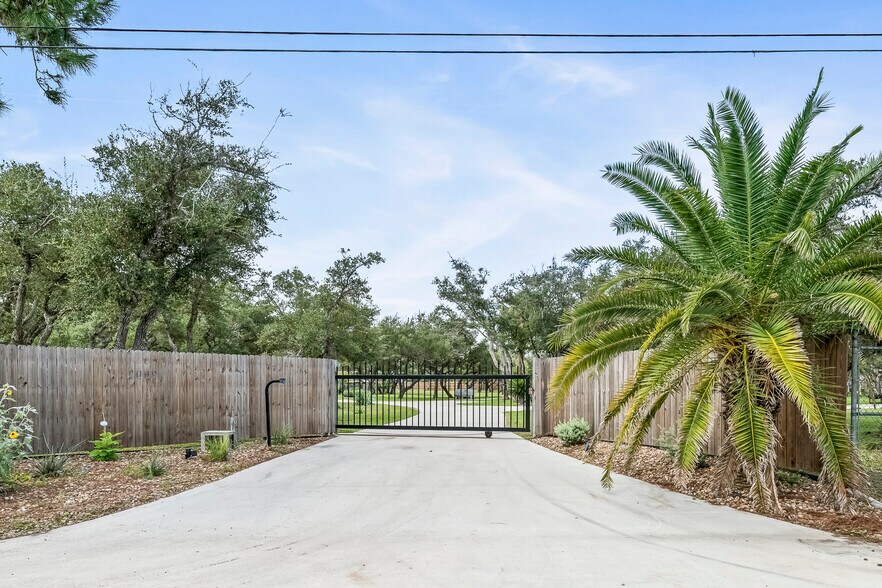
point(865, 407)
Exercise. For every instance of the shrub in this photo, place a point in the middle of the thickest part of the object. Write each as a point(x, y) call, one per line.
point(16, 432)
point(218, 448)
point(52, 464)
point(284, 435)
point(105, 447)
point(363, 397)
point(573, 431)
point(153, 467)
point(669, 441)
point(790, 477)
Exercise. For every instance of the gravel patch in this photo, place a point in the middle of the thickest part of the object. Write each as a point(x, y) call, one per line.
point(801, 497)
point(90, 489)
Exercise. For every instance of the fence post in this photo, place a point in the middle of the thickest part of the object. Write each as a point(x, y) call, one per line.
point(538, 399)
point(855, 385)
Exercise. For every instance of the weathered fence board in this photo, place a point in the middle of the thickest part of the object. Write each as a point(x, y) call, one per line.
point(590, 395)
point(164, 398)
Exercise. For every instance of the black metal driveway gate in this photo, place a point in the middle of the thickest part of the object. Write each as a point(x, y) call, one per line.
point(447, 399)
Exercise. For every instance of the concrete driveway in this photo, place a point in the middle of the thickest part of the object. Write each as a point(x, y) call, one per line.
point(433, 510)
point(447, 413)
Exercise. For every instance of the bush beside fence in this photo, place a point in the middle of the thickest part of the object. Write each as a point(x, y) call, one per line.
point(591, 394)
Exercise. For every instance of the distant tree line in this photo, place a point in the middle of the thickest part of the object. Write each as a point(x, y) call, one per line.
point(161, 255)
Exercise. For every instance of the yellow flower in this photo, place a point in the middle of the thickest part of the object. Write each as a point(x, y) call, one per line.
point(13, 434)
point(9, 392)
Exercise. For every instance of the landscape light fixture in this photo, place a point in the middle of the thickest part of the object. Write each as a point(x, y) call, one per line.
point(269, 441)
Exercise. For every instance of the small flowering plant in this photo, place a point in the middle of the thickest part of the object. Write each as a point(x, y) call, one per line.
point(16, 431)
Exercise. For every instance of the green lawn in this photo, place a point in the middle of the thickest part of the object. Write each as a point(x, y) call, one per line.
point(869, 428)
point(514, 418)
point(872, 459)
point(373, 414)
point(870, 443)
point(491, 401)
point(864, 399)
point(492, 398)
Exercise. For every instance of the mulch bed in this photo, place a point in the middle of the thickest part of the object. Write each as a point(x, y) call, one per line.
point(801, 498)
point(90, 489)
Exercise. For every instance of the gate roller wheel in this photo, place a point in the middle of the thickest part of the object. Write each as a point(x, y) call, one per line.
point(488, 434)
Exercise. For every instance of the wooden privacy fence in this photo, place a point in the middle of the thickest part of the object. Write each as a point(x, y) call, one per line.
point(161, 398)
point(590, 396)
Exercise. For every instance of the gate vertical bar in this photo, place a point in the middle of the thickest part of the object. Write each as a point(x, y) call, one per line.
point(855, 385)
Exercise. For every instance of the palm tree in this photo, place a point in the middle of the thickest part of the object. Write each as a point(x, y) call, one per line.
point(742, 275)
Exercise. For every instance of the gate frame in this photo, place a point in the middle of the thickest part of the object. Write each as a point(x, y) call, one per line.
point(421, 375)
point(855, 385)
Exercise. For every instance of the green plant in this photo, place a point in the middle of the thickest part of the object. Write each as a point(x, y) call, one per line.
point(154, 467)
point(667, 440)
point(790, 477)
point(573, 431)
point(105, 447)
point(363, 397)
point(51, 465)
point(16, 432)
point(283, 435)
point(218, 448)
point(743, 274)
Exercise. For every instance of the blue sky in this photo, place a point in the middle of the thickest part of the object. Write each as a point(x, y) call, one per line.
point(493, 158)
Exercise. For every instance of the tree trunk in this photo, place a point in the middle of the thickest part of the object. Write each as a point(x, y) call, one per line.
point(143, 329)
point(122, 329)
point(21, 292)
point(98, 339)
point(168, 333)
point(49, 319)
point(191, 324)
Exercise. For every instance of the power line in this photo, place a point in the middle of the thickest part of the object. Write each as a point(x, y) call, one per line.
point(453, 34)
point(449, 51)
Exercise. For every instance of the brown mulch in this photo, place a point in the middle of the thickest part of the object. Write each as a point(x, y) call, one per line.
point(90, 489)
point(801, 499)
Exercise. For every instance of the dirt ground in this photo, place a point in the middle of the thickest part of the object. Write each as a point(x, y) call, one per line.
point(800, 496)
point(90, 489)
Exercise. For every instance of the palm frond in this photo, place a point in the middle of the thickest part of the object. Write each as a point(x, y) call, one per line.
point(655, 191)
point(811, 185)
point(800, 240)
point(848, 190)
point(698, 415)
point(667, 157)
point(841, 463)
point(792, 148)
point(858, 264)
point(632, 222)
point(750, 427)
point(779, 342)
point(619, 306)
point(743, 185)
point(593, 354)
point(855, 236)
point(859, 298)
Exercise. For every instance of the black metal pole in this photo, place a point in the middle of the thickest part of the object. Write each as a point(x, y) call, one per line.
point(269, 440)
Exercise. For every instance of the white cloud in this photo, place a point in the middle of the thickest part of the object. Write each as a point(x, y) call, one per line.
point(440, 77)
point(464, 190)
point(339, 156)
point(566, 75)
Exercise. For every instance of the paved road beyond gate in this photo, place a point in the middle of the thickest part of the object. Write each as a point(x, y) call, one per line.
point(415, 397)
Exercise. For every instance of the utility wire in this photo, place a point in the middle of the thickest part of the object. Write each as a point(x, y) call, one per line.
point(449, 34)
point(447, 51)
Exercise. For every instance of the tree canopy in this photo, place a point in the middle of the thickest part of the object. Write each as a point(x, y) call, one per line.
point(48, 29)
point(743, 273)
